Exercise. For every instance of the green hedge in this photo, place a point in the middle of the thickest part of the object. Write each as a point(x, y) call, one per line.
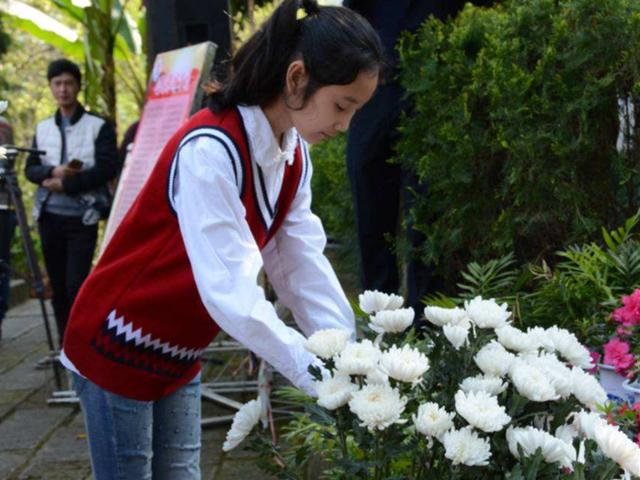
point(332, 200)
point(515, 126)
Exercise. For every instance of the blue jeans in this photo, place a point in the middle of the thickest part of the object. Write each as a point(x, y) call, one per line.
point(134, 440)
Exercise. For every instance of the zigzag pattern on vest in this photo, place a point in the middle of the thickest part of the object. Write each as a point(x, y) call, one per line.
point(120, 342)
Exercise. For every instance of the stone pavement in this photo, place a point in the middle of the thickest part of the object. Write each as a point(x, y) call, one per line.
point(38, 441)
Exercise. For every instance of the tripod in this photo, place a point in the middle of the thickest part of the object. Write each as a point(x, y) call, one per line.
point(9, 182)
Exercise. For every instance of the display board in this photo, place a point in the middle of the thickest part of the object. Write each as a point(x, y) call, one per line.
point(173, 94)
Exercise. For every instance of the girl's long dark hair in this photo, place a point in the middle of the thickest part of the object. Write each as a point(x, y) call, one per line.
point(335, 43)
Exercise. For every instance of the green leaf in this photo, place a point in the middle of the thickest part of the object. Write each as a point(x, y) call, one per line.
point(44, 27)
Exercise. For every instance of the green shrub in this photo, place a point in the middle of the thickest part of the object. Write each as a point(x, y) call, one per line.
point(515, 127)
point(333, 203)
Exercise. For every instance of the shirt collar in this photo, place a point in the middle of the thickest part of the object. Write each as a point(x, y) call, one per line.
point(263, 144)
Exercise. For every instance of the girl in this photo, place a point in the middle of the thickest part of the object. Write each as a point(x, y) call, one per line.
point(230, 194)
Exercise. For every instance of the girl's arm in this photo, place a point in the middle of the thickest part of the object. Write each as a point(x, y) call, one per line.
point(300, 273)
point(226, 260)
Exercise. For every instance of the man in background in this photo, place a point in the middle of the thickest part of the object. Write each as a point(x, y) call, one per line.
point(73, 193)
point(379, 187)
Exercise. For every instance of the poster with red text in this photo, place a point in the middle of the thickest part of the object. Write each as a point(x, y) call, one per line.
point(173, 94)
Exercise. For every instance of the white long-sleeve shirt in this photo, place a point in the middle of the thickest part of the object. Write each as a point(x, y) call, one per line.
point(226, 260)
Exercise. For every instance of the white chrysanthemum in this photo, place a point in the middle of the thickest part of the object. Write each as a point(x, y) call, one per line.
point(465, 447)
point(531, 383)
point(334, 392)
point(457, 335)
point(405, 364)
point(566, 433)
point(327, 343)
point(378, 406)
point(443, 316)
point(487, 313)
point(358, 358)
point(531, 439)
point(585, 423)
point(433, 420)
point(515, 339)
point(587, 389)
point(392, 321)
point(377, 377)
point(481, 410)
point(618, 447)
point(372, 301)
point(558, 373)
point(243, 422)
point(3, 105)
point(494, 360)
point(568, 346)
point(483, 383)
point(541, 337)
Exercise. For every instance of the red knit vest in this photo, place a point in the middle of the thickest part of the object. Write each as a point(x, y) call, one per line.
point(138, 326)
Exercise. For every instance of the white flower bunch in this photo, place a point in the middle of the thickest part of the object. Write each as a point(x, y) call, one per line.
point(358, 358)
point(568, 346)
point(378, 406)
point(392, 321)
point(328, 342)
point(515, 339)
point(487, 313)
point(373, 301)
point(432, 420)
point(494, 360)
point(334, 392)
point(617, 446)
point(483, 383)
point(243, 422)
point(531, 383)
point(587, 389)
point(443, 316)
point(405, 364)
point(465, 447)
point(457, 334)
point(529, 439)
point(375, 385)
point(481, 410)
point(558, 374)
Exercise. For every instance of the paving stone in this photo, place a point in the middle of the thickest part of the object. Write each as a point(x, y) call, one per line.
point(12, 397)
point(67, 444)
point(240, 469)
point(27, 427)
point(57, 470)
point(10, 461)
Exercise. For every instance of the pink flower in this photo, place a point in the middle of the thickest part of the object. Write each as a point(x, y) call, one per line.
point(623, 331)
point(638, 439)
point(595, 359)
point(616, 353)
point(629, 314)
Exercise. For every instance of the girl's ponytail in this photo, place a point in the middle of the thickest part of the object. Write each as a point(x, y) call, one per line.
point(335, 44)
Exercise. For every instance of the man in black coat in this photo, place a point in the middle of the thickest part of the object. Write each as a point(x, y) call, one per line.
point(377, 185)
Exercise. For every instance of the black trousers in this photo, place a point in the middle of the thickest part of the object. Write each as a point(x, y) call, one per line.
point(7, 229)
point(379, 189)
point(68, 246)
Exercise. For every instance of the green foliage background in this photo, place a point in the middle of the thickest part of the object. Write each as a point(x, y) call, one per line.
point(515, 126)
